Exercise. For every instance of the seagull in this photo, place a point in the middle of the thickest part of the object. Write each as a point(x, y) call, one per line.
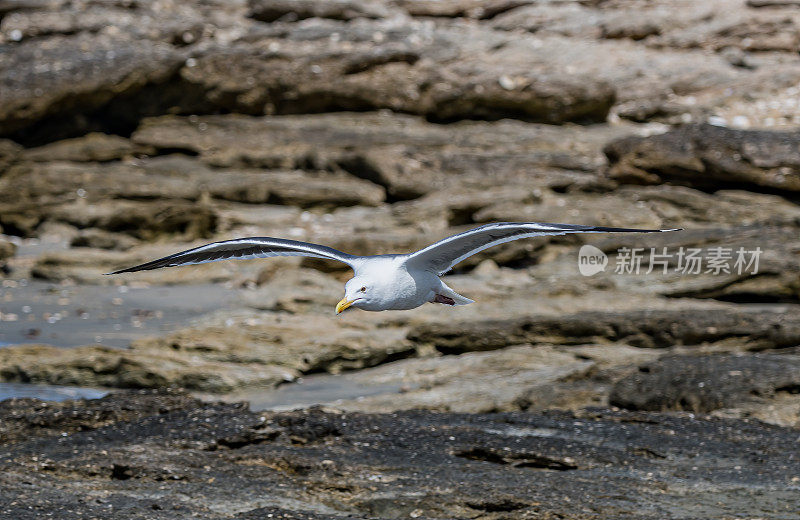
point(385, 282)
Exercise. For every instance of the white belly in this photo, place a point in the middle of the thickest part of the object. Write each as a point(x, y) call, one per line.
point(412, 290)
point(399, 289)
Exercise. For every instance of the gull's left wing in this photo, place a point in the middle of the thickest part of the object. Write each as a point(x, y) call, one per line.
point(245, 248)
point(441, 256)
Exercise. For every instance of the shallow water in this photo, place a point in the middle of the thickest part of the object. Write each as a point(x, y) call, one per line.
point(48, 392)
point(317, 389)
point(68, 315)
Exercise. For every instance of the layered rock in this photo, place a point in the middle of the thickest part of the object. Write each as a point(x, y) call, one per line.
point(706, 383)
point(653, 329)
point(710, 158)
point(136, 453)
point(219, 359)
point(75, 74)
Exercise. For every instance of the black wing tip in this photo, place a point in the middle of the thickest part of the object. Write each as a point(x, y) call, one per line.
point(632, 230)
point(126, 270)
point(136, 268)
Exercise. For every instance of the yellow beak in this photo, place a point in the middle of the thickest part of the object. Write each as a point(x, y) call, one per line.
point(343, 305)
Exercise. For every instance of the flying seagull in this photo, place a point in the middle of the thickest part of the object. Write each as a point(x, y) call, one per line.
point(385, 282)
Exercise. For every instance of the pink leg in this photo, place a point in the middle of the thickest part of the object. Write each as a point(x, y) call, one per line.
point(443, 299)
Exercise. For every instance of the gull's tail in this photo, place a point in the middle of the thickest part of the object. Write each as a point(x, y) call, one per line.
point(444, 290)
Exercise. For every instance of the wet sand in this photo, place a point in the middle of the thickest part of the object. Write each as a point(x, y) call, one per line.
point(70, 315)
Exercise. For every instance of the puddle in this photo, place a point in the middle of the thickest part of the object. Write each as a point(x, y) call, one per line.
point(318, 389)
point(33, 311)
point(48, 392)
point(70, 315)
point(525, 432)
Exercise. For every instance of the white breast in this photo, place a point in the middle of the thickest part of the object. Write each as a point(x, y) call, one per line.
point(395, 287)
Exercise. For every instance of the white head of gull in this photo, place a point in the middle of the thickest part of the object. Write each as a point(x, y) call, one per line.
point(386, 282)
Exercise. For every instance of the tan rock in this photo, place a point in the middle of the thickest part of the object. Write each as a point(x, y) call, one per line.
point(7, 249)
point(473, 383)
point(104, 366)
point(705, 156)
point(94, 147)
point(99, 239)
point(264, 352)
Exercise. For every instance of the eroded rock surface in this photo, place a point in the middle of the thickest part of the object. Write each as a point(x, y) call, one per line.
point(218, 359)
point(653, 329)
point(707, 383)
point(135, 453)
point(710, 158)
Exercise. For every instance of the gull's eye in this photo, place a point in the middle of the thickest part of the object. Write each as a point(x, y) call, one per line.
point(363, 289)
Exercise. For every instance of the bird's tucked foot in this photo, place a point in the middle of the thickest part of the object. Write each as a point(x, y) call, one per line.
point(443, 299)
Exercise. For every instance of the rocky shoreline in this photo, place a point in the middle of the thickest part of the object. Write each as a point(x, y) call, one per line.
point(130, 129)
point(150, 455)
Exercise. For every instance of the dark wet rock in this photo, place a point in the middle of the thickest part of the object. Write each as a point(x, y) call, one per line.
point(25, 418)
point(702, 384)
point(77, 74)
point(320, 465)
point(292, 10)
point(169, 22)
point(710, 157)
point(653, 329)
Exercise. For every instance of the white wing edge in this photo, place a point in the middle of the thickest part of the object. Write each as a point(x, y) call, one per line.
point(435, 256)
point(244, 248)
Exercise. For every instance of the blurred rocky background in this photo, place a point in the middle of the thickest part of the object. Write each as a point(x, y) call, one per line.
point(131, 129)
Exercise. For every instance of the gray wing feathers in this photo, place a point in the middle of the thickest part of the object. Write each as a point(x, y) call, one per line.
point(243, 248)
point(441, 256)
